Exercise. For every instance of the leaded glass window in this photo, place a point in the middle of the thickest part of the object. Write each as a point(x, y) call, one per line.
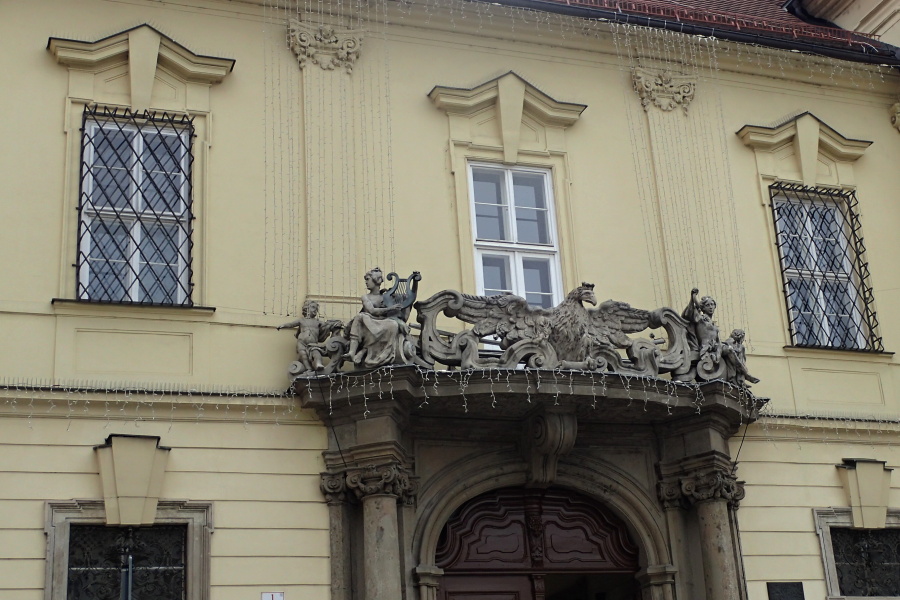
point(825, 275)
point(134, 241)
point(127, 563)
point(515, 239)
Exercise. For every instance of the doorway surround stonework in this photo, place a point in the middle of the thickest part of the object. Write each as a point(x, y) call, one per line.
point(409, 446)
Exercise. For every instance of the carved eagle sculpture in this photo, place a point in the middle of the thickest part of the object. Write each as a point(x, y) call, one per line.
point(570, 330)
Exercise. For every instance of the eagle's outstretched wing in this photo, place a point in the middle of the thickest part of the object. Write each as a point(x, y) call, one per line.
point(612, 320)
point(506, 316)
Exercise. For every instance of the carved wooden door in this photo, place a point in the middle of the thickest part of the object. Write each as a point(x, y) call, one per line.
point(505, 545)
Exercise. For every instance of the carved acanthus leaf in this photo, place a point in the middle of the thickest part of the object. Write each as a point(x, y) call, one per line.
point(324, 45)
point(663, 89)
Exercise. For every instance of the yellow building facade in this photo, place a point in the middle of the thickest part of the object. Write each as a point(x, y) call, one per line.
point(143, 379)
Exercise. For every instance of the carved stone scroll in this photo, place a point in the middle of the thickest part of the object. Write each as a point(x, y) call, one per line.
point(324, 45)
point(663, 89)
point(548, 435)
point(895, 115)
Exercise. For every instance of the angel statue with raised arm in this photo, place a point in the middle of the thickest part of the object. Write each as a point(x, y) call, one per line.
point(703, 333)
point(715, 359)
point(311, 335)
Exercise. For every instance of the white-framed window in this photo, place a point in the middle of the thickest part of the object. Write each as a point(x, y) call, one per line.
point(134, 240)
point(516, 250)
point(829, 301)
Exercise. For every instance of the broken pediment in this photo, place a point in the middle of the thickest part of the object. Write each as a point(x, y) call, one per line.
point(157, 68)
point(519, 113)
point(804, 148)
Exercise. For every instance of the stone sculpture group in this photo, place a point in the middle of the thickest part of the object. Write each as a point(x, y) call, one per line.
point(506, 333)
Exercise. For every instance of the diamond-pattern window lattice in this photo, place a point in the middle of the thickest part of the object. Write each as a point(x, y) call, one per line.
point(829, 300)
point(135, 209)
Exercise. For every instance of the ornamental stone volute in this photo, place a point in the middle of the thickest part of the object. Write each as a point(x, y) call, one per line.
point(329, 47)
point(663, 89)
point(390, 479)
point(701, 486)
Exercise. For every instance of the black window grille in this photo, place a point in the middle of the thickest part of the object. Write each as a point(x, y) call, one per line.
point(134, 238)
point(867, 561)
point(825, 275)
point(127, 563)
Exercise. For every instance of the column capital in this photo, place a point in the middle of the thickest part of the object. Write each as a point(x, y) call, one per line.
point(701, 486)
point(359, 482)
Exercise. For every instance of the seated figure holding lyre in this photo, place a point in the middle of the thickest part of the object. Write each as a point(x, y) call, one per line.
point(379, 334)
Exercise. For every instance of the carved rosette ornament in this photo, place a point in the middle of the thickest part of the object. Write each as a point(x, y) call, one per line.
point(324, 45)
point(701, 487)
point(663, 89)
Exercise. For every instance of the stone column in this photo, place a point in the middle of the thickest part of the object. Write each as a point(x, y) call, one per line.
point(719, 567)
point(381, 547)
point(712, 493)
point(379, 487)
point(335, 490)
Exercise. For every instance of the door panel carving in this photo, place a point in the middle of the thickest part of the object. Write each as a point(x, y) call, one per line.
point(518, 530)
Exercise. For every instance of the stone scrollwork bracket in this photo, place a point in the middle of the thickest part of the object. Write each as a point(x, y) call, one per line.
point(663, 89)
point(549, 434)
point(324, 45)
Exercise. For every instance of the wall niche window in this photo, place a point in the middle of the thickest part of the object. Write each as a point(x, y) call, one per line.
point(134, 233)
point(867, 561)
point(859, 562)
point(829, 301)
point(129, 563)
point(166, 560)
point(515, 235)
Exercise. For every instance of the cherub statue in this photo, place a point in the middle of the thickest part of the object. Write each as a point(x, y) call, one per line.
point(311, 335)
point(715, 359)
point(703, 333)
point(735, 357)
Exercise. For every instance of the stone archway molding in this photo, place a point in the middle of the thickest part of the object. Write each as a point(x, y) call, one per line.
point(470, 477)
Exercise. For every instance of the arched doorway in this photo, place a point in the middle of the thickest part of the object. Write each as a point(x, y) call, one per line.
point(530, 544)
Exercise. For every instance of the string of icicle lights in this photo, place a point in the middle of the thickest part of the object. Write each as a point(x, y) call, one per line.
point(139, 404)
point(120, 401)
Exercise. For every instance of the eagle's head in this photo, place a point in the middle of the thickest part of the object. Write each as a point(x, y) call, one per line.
point(583, 293)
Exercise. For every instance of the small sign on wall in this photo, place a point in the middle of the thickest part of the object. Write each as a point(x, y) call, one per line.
point(272, 596)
